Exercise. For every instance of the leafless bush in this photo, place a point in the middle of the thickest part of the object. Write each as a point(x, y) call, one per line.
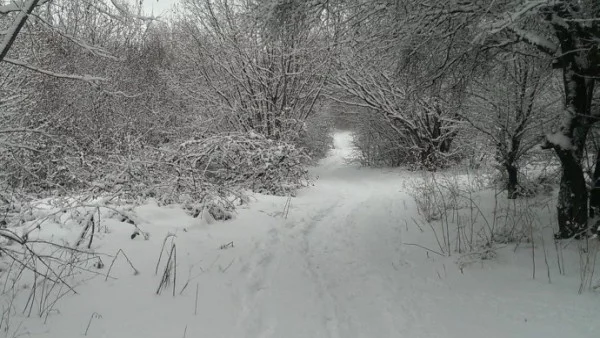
point(249, 161)
point(316, 137)
point(383, 142)
point(47, 271)
point(468, 220)
point(472, 220)
point(201, 173)
point(377, 143)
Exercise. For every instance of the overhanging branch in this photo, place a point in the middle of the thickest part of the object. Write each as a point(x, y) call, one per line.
point(86, 78)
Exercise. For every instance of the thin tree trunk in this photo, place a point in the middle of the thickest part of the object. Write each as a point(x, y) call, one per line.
point(511, 165)
point(595, 196)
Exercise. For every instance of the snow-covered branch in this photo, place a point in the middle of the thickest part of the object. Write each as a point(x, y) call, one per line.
point(535, 40)
point(87, 78)
point(18, 146)
point(23, 130)
point(17, 6)
point(12, 33)
point(98, 51)
point(508, 19)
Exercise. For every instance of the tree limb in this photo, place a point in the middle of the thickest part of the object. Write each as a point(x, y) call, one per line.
point(13, 31)
point(86, 78)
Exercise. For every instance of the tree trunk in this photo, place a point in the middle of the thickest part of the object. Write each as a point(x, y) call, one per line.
point(572, 203)
point(578, 81)
point(595, 196)
point(572, 197)
point(511, 165)
point(513, 181)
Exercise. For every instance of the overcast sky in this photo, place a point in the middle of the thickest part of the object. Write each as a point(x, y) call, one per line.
point(159, 6)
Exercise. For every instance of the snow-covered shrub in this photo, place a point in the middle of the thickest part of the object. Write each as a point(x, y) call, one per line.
point(483, 253)
point(381, 142)
point(425, 195)
point(249, 160)
point(316, 136)
point(36, 163)
point(202, 174)
point(377, 144)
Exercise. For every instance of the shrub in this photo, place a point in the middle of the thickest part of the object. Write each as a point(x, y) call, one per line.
point(249, 161)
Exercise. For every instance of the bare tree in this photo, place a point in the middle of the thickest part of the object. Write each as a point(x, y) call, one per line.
point(512, 106)
point(566, 30)
point(386, 67)
point(254, 66)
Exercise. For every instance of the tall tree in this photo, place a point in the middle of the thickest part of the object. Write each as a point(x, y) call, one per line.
point(511, 105)
point(260, 66)
point(568, 31)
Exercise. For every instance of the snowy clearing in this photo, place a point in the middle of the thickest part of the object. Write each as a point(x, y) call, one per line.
point(335, 261)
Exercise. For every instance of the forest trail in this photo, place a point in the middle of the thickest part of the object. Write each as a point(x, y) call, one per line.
point(334, 263)
point(342, 267)
point(332, 270)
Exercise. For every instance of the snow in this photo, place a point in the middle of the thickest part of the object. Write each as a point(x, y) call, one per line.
point(560, 140)
point(534, 39)
point(337, 264)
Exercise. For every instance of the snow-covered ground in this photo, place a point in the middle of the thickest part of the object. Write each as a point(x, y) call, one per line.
point(334, 262)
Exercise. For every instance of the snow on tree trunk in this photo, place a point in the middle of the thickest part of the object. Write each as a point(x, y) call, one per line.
point(569, 144)
point(578, 62)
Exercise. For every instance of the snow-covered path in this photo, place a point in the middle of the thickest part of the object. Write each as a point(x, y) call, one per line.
point(336, 266)
point(329, 271)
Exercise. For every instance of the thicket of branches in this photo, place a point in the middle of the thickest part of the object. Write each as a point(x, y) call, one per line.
point(98, 96)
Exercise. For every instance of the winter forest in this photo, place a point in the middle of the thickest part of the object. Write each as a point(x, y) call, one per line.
point(299, 168)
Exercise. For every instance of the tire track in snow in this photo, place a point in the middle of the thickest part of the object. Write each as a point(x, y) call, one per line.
point(339, 261)
point(335, 317)
point(333, 262)
point(256, 286)
point(331, 312)
point(327, 272)
point(258, 317)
